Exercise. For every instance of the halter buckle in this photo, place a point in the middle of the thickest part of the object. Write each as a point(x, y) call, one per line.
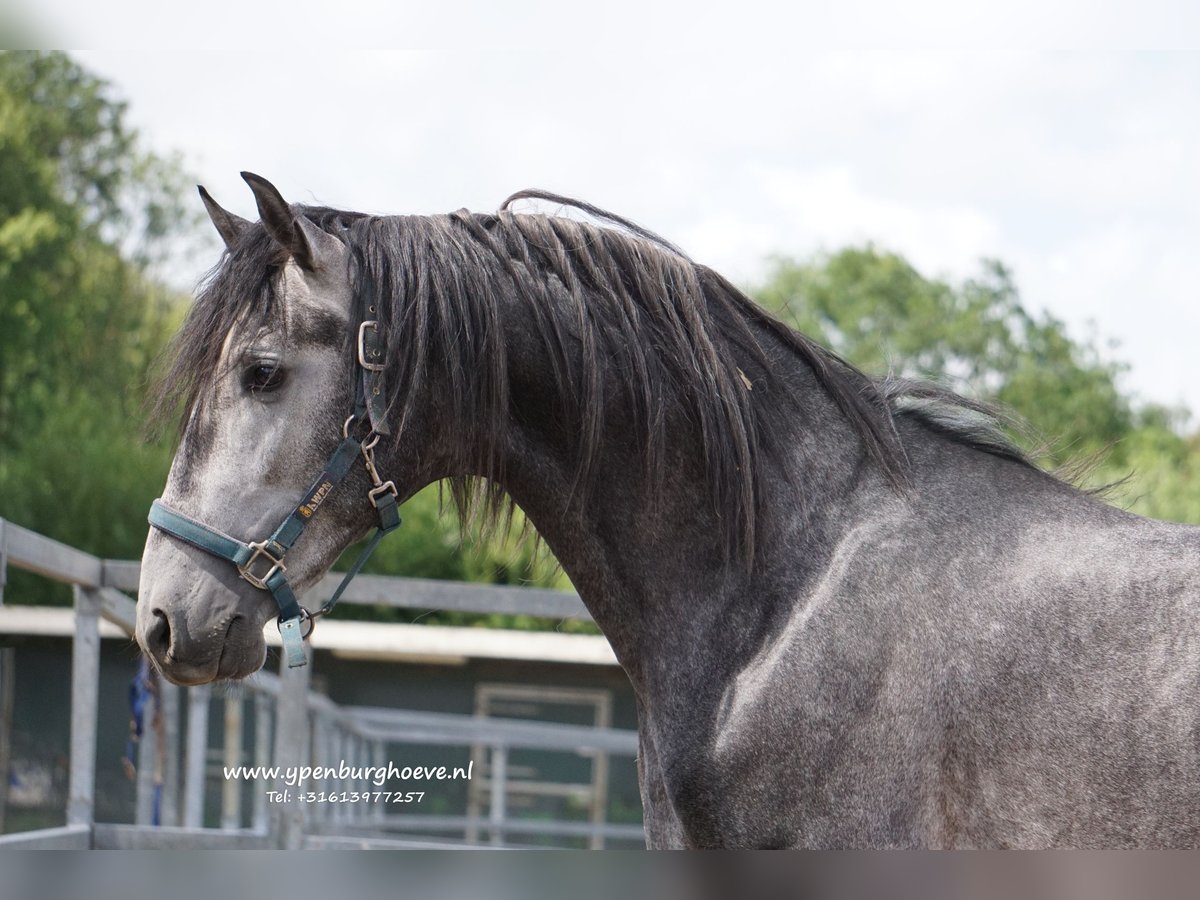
point(362, 349)
point(260, 550)
point(388, 487)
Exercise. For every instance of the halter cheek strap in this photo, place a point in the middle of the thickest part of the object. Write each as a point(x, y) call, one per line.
point(261, 562)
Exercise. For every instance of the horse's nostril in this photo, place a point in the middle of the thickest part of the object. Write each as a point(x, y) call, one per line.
point(158, 638)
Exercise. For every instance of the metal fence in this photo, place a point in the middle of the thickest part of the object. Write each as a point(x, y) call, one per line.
point(288, 727)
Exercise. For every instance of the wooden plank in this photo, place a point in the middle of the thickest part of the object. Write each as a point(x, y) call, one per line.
point(33, 552)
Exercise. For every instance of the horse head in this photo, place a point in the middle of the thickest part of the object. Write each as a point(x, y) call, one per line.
point(267, 373)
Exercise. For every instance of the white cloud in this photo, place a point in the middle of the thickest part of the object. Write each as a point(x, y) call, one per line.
point(311, 26)
point(1136, 284)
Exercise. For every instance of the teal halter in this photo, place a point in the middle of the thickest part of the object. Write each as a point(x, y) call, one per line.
point(261, 562)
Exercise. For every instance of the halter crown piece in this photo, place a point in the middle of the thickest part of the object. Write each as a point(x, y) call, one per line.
point(261, 562)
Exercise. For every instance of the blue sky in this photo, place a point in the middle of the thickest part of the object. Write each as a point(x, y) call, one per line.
point(1080, 170)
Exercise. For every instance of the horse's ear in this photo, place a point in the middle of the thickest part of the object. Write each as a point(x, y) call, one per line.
point(272, 210)
point(323, 251)
point(311, 247)
point(228, 225)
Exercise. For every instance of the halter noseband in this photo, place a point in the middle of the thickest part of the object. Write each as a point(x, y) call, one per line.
point(261, 562)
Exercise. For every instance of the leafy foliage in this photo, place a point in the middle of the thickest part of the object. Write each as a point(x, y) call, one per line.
point(79, 322)
point(876, 310)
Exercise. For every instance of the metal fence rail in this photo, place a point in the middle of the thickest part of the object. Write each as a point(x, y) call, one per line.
point(292, 727)
point(408, 593)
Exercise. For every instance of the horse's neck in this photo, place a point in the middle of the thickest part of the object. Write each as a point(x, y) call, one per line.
point(652, 567)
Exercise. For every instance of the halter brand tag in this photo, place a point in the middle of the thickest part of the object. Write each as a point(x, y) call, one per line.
point(310, 506)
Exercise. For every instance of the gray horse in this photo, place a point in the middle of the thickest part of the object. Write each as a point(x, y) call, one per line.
point(852, 613)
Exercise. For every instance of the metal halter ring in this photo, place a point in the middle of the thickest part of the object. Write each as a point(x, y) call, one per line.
point(310, 618)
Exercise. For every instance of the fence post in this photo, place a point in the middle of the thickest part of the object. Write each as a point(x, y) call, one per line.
point(324, 751)
point(363, 785)
point(3, 561)
point(85, 693)
point(197, 755)
point(8, 672)
point(499, 776)
point(147, 764)
point(599, 798)
point(168, 696)
point(291, 750)
point(356, 784)
point(339, 785)
point(231, 788)
point(379, 761)
point(262, 757)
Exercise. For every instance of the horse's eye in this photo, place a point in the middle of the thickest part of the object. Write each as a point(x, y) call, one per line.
point(262, 378)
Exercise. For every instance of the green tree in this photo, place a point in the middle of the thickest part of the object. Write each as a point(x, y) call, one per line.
point(879, 312)
point(876, 310)
point(83, 212)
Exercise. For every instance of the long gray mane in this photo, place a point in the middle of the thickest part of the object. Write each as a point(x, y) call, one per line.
point(615, 308)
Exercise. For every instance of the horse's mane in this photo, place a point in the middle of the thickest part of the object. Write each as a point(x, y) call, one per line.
point(612, 304)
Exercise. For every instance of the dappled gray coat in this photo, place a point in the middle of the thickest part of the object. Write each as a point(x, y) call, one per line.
point(852, 614)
